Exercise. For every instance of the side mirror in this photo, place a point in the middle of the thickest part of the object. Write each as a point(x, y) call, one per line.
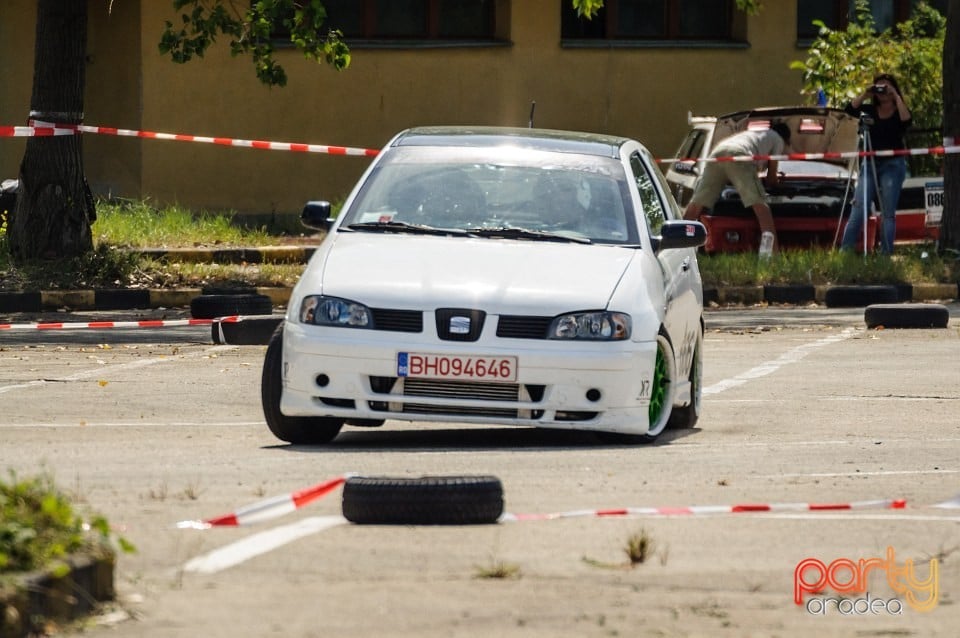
point(680, 233)
point(687, 168)
point(316, 215)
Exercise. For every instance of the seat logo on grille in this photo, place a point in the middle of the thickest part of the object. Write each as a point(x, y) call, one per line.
point(460, 325)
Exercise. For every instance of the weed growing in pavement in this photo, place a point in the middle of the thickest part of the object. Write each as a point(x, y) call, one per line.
point(497, 570)
point(639, 547)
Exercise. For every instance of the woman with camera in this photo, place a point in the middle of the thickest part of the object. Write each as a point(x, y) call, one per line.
point(887, 118)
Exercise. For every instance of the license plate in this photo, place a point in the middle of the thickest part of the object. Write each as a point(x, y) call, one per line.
point(443, 366)
point(933, 193)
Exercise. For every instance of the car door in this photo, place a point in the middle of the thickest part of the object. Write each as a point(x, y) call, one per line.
point(681, 278)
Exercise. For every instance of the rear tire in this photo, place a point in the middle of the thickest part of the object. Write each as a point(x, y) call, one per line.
point(429, 500)
point(299, 430)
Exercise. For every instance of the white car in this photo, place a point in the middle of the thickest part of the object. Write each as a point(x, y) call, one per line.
point(495, 276)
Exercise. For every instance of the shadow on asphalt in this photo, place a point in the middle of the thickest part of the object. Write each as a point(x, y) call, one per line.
point(472, 437)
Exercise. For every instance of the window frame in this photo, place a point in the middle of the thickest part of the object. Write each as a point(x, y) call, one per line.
point(494, 31)
point(602, 30)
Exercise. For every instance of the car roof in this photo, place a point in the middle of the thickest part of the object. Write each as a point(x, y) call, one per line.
point(492, 136)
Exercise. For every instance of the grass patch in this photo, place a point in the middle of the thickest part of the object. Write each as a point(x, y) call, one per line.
point(139, 225)
point(817, 266)
point(121, 226)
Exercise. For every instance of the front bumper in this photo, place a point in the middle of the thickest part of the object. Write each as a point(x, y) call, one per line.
point(352, 374)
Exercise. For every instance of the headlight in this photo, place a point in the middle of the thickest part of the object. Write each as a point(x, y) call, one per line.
point(600, 326)
point(332, 311)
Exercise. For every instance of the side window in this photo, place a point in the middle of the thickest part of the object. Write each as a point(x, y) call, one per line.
point(692, 145)
point(649, 198)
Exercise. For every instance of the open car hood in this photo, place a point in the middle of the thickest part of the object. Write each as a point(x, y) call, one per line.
point(813, 129)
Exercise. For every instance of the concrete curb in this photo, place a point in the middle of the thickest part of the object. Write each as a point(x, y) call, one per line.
point(260, 255)
point(37, 597)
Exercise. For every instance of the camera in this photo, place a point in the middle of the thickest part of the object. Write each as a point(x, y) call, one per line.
point(878, 89)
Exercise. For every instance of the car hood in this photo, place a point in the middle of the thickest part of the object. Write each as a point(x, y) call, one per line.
point(499, 275)
point(813, 129)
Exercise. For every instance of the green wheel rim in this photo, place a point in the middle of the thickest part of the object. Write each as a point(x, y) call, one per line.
point(658, 392)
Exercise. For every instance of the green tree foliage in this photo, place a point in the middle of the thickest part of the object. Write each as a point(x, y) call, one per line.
point(251, 27)
point(842, 62)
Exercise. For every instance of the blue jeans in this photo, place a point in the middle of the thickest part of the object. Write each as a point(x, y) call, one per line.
point(891, 171)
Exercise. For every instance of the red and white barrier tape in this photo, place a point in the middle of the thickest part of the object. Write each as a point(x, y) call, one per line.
point(45, 129)
point(100, 325)
point(268, 508)
point(700, 510)
point(34, 131)
point(39, 128)
point(277, 506)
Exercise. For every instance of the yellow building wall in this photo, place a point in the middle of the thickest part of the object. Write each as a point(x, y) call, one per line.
point(639, 92)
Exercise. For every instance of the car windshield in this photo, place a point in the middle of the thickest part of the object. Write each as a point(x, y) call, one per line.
point(495, 192)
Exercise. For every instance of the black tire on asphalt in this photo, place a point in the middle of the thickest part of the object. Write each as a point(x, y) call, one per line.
point(299, 430)
point(248, 331)
point(428, 500)
point(860, 296)
point(213, 306)
point(789, 293)
point(906, 316)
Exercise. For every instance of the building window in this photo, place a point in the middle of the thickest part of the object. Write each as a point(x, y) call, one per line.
point(651, 20)
point(837, 14)
point(413, 19)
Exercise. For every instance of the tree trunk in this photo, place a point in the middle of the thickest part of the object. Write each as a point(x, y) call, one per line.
point(54, 206)
point(950, 222)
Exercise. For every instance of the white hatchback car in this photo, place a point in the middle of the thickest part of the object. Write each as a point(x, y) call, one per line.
point(495, 276)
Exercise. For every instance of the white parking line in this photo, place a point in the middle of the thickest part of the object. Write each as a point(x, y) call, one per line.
point(100, 371)
point(151, 425)
point(261, 543)
point(877, 473)
point(788, 357)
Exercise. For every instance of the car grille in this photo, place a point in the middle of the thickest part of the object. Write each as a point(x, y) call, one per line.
point(522, 327)
point(438, 388)
point(393, 388)
point(397, 320)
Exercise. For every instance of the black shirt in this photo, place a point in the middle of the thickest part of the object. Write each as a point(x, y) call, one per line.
point(885, 134)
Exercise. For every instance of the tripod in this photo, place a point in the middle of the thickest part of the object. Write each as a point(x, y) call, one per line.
point(868, 171)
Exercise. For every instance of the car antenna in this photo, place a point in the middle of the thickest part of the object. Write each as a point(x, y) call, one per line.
point(533, 107)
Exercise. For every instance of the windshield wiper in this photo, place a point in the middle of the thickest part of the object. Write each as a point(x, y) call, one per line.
point(516, 232)
point(403, 227)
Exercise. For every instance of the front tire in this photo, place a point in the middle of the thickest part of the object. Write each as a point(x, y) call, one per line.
point(299, 430)
point(662, 389)
point(687, 416)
